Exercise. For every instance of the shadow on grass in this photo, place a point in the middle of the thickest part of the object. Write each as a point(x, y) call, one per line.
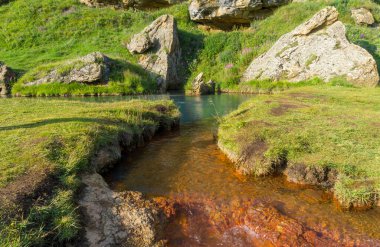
point(191, 45)
point(60, 120)
point(372, 49)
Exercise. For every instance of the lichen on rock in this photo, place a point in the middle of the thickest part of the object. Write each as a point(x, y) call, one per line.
point(362, 16)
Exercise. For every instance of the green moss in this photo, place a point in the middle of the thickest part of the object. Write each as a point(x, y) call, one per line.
point(58, 138)
point(311, 60)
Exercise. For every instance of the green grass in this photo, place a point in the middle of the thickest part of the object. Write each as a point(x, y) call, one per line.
point(226, 55)
point(56, 138)
point(36, 33)
point(125, 78)
point(329, 126)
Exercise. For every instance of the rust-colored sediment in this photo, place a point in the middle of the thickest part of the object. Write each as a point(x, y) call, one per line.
point(195, 220)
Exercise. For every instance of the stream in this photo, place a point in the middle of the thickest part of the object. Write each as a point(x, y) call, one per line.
point(186, 164)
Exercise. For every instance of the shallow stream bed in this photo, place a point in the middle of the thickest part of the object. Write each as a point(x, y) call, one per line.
point(187, 164)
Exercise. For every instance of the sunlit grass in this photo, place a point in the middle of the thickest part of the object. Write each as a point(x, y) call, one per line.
point(330, 126)
point(59, 137)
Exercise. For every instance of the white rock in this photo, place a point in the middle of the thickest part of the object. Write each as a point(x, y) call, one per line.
point(317, 48)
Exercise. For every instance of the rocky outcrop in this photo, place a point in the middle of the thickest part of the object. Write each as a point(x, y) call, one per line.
point(90, 69)
point(228, 13)
point(317, 48)
point(7, 76)
point(118, 219)
point(160, 51)
point(200, 87)
point(143, 4)
point(362, 16)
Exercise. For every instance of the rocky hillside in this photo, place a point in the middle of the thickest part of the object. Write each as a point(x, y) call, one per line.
point(48, 35)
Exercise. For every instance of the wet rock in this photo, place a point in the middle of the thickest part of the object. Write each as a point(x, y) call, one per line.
point(311, 175)
point(200, 87)
point(7, 76)
point(231, 12)
point(362, 16)
point(118, 219)
point(139, 4)
point(317, 48)
point(93, 68)
point(160, 51)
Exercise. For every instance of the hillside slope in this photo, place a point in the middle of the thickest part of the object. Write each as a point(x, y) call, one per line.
point(36, 32)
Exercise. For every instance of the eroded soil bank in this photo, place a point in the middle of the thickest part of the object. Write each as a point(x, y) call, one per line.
point(205, 202)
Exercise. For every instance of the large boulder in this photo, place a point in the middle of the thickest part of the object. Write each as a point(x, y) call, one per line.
point(200, 87)
point(93, 68)
point(160, 51)
point(118, 219)
point(317, 48)
point(362, 16)
point(130, 3)
point(7, 76)
point(228, 13)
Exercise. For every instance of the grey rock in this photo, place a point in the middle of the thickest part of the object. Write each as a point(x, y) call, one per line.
point(200, 87)
point(160, 51)
point(118, 219)
point(317, 48)
point(228, 13)
point(362, 16)
point(7, 76)
point(91, 69)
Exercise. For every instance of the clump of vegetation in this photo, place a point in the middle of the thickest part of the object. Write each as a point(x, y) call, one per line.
point(322, 126)
point(45, 145)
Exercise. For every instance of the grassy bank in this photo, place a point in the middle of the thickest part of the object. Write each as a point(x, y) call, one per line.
point(45, 145)
point(226, 55)
point(37, 32)
point(316, 126)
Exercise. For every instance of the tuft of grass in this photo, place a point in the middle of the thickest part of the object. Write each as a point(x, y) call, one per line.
point(320, 125)
point(54, 139)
